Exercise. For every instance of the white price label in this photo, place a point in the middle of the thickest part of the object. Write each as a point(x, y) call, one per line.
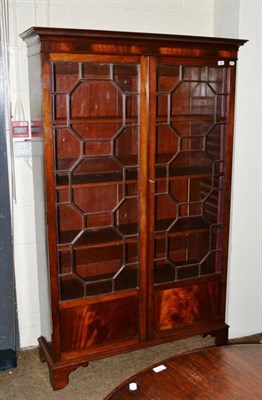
point(159, 368)
point(133, 386)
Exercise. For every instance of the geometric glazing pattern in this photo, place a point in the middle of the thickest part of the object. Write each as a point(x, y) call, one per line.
point(188, 255)
point(191, 135)
point(96, 146)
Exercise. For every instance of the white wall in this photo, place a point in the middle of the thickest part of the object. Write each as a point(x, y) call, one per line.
point(226, 18)
point(177, 17)
point(244, 312)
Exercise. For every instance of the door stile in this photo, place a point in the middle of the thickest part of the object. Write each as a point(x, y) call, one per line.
point(151, 193)
point(228, 180)
point(50, 201)
point(143, 191)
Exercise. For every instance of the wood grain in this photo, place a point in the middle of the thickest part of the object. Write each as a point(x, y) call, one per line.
point(186, 305)
point(225, 373)
point(98, 323)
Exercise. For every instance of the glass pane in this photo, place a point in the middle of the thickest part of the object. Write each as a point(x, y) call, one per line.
point(71, 288)
point(100, 169)
point(96, 71)
point(126, 217)
point(131, 108)
point(187, 256)
point(127, 278)
point(100, 131)
point(69, 223)
point(97, 264)
point(92, 99)
point(126, 146)
point(126, 77)
point(164, 272)
point(167, 77)
point(165, 212)
point(212, 264)
point(194, 73)
point(166, 144)
point(65, 76)
point(192, 128)
point(191, 135)
point(60, 108)
point(96, 168)
point(218, 80)
point(98, 148)
point(67, 148)
point(97, 199)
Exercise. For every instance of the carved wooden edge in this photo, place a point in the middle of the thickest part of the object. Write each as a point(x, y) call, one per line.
point(35, 32)
point(58, 371)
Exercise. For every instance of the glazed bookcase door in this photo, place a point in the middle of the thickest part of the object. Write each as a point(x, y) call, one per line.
point(96, 144)
point(189, 147)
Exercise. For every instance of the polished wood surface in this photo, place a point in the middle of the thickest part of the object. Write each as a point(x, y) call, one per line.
point(221, 373)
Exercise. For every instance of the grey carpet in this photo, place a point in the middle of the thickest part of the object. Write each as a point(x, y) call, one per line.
point(30, 380)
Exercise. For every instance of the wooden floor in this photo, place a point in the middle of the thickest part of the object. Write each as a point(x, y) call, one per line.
point(228, 373)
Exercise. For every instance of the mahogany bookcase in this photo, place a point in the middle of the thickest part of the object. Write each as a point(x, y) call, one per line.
point(138, 133)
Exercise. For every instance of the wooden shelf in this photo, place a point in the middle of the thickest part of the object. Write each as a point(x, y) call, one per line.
point(164, 273)
point(101, 176)
point(97, 120)
point(191, 117)
point(131, 174)
point(187, 158)
point(97, 237)
point(110, 235)
point(191, 269)
point(102, 179)
point(66, 163)
point(116, 178)
point(103, 284)
point(184, 224)
point(185, 172)
point(191, 261)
